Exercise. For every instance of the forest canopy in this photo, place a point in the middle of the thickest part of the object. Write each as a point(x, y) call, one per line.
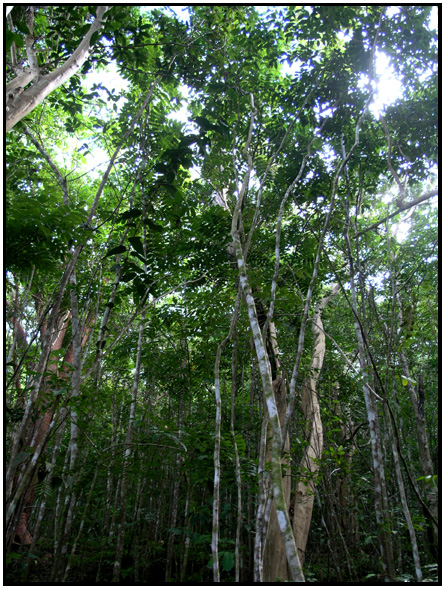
point(221, 280)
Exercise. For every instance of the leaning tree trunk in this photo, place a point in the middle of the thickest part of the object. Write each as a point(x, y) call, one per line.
point(20, 100)
point(32, 437)
point(427, 467)
point(283, 518)
point(309, 465)
point(273, 555)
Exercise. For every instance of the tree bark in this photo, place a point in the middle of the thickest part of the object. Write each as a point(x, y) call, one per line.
point(305, 492)
point(283, 518)
point(20, 100)
point(127, 448)
point(405, 507)
point(379, 480)
point(274, 556)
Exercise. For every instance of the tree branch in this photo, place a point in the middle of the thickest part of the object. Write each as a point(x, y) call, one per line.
point(409, 205)
point(60, 179)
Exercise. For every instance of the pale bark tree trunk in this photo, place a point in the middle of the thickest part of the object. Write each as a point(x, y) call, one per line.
point(274, 556)
point(127, 450)
point(217, 469)
point(79, 337)
point(277, 441)
point(405, 507)
point(366, 364)
point(21, 100)
point(427, 467)
point(238, 476)
point(261, 504)
point(187, 536)
point(379, 481)
point(276, 431)
point(305, 490)
point(81, 527)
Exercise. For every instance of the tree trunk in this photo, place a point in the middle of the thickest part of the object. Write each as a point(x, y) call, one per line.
point(379, 480)
point(238, 475)
point(33, 439)
point(127, 450)
point(20, 100)
point(274, 555)
point(305, 492)
point(405, 507)
point(273, 413)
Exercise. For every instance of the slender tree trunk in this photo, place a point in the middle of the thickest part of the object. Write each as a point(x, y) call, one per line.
point(405, 507)
point(379, 487)
point(81, 527)
point(238, 476)
point(217, 469)
point(78, 340)
point(427, 467)
point(261, 506)
point(187, 536)
point(127, 450)
point(35, 438)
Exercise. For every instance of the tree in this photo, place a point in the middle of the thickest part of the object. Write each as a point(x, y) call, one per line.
point(165, 308)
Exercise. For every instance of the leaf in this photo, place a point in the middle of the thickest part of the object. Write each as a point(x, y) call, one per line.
point(137, 245)
point(57, 392)
point(170, 188)
point(84, 30)
point(94, 37)
point(117, 250)
point(228, 561)
point(204, 123)
point(128, 276)
point(12, 38)
point(153, 226)
point(130, 214)
point(20, 457)
point(22, 27)
point(406, 380)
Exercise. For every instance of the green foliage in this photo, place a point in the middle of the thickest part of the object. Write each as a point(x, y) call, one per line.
point(160, 239)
